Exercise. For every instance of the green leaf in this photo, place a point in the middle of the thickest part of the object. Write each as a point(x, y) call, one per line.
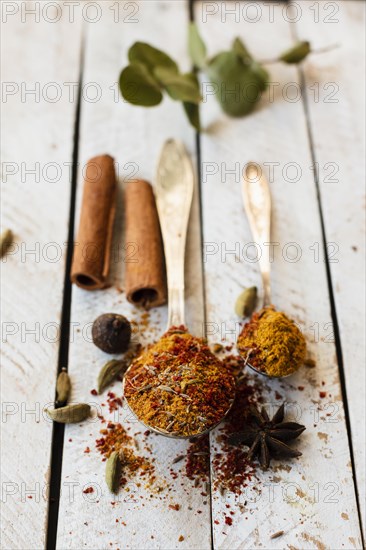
point(139, 87)
point(241, 50)
point(261, 74)
point(193, 115)
point(150, 57)
point(180, 87)
point(238, 85)
point(297, 53)
point(192, 109)
point(196, 47)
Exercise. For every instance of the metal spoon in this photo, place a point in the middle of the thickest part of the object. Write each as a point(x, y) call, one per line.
point(174, 187)
point(257, 204)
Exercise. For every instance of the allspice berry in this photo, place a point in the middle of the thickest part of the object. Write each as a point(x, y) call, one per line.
point(111, 333)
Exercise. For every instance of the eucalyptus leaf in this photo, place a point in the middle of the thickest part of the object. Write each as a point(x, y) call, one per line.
point(193, 115)
point(196, 47)
point(241, 50)
point(139, 87)
point(297, 53)
point(150, 57)
point(180, 87)
point(263, 76)
point(238, 85)
point(192, 109)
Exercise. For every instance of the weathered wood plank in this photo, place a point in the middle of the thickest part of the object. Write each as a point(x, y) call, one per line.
point(38, 59)
point(313, 501)
point(134, 137)
point(337, 117)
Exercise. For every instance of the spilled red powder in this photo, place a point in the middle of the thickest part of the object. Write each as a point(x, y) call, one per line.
point(198, 459)
point(116, 438)
point(114, 402)
point(233, 470)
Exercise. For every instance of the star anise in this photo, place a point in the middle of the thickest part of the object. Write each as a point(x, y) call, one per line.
point(266, 437)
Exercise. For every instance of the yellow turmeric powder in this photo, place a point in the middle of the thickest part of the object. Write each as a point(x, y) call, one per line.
point(272, 343)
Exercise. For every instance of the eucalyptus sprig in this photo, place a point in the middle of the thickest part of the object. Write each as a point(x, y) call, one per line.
point(237, 78)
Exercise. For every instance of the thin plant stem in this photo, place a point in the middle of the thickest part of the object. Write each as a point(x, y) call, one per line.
point(319, 50)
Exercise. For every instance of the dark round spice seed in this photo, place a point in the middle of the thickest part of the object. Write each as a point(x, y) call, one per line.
point(111, 333)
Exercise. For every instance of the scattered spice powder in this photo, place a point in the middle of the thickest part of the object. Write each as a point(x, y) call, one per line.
point(116, 438)
point(233, 470)
point(272, 343)
point(178, 386)
point(198, 460)
point(114, 402)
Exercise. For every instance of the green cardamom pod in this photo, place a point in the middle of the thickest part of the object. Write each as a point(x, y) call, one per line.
point(246, 302)
point(109, 372)
point(6, 239)
point(297, 53)
point(70, 414)
point(113, 471)
point(63, 387)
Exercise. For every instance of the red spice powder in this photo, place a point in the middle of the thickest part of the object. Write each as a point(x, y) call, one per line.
point(114, 402)
point(198, 459)
point(233, 470)
point(116, 438)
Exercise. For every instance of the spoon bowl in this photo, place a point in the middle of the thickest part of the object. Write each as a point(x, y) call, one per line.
point(174, 435)
point(263, 373)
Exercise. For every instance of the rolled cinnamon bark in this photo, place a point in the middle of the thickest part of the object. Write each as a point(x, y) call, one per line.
point(92, 247)
point(145, 277)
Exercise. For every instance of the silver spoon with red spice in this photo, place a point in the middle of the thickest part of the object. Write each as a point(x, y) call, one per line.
point(177, 388)
point(283, 347)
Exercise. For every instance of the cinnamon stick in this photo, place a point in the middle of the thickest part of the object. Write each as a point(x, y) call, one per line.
point(145, 278)
point(92, 247)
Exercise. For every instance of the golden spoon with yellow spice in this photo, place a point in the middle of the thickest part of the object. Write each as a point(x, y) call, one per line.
point(177, 387)
point(270, 343)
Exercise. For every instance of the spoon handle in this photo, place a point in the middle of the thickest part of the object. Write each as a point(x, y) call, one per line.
point(174, 190)
point(257, 204)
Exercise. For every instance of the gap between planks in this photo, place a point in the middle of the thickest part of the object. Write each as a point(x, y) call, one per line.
point(58, 430)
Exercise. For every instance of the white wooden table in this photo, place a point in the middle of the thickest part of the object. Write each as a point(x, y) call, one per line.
point(310, 137)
